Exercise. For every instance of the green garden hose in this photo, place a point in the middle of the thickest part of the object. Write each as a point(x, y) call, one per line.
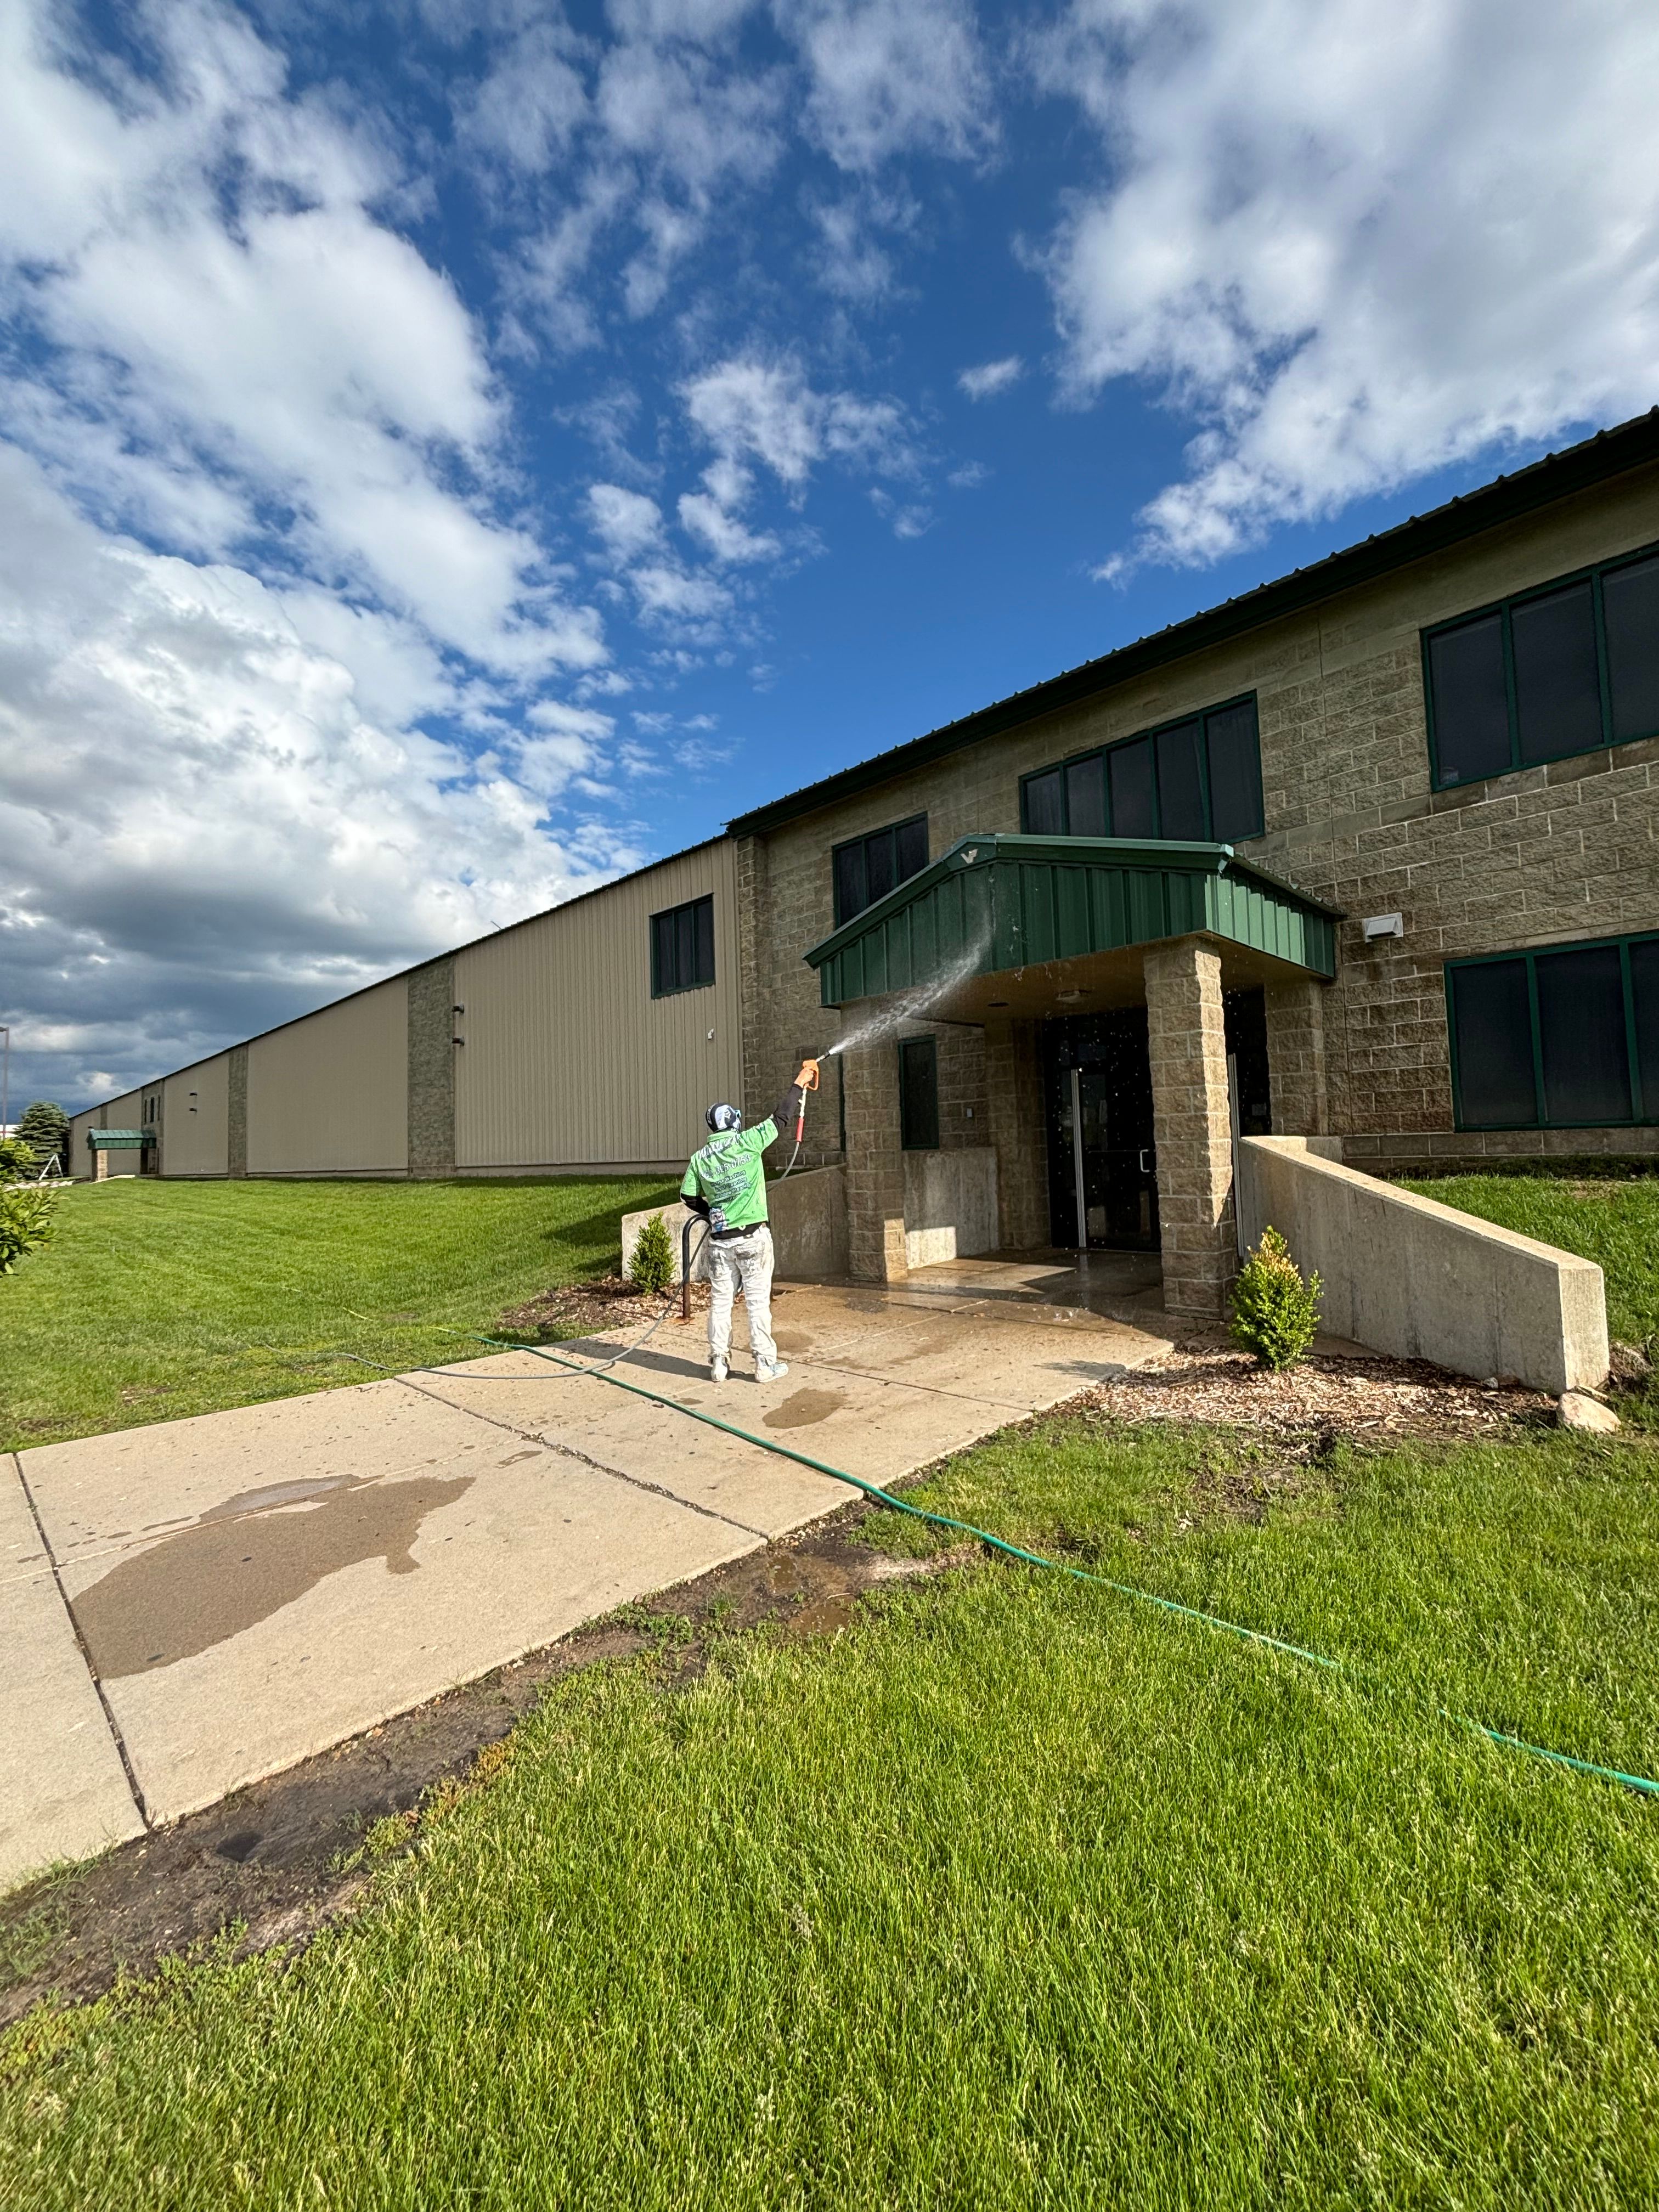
point(1638, 1782)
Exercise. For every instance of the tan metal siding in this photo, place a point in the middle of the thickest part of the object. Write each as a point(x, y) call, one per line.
point(329, 1095)
point(125, 1113)
point(568, 1058)
point(196, 1119)
point(81, 1162)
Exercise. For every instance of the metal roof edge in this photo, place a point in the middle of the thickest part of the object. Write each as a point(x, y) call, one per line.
point(982, 849)
point(1555, 475)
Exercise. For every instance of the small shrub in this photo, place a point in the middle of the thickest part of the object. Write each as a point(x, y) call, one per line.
point(26, 1221)
point(1275, 1313)
point(17, 1160)
point(651, 1267)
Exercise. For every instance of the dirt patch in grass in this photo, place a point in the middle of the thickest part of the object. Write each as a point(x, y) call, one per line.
point(1371, 1401)
point(280, 1860)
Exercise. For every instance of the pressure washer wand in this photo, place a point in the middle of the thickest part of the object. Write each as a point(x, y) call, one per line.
point(806, 1080)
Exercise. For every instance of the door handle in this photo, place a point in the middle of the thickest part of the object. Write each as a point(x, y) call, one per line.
point(1146, 1163)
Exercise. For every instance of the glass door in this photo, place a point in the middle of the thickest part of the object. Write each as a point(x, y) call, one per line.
point(1112, 1162)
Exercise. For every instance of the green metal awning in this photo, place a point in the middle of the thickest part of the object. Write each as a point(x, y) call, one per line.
point(120, 1140)
point(998, 905)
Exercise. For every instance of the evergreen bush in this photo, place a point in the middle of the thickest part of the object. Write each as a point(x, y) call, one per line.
point(651, 1267)
point(46, 1127)
point(1275, 1312)
point(26, 1214)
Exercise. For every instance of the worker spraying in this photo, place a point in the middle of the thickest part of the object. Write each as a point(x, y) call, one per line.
point(725, 1183)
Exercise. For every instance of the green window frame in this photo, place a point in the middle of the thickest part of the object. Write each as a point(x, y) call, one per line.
point(1623, 641)
point(683, 948)
point(1626, 972)
point(1198, 778)
point(919, 1094)
point(865, 869)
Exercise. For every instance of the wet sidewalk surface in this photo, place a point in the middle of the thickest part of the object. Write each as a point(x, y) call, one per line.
point(191, 1606)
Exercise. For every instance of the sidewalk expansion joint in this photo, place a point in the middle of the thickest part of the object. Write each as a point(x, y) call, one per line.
point(114, 1726)
point(569, 1451)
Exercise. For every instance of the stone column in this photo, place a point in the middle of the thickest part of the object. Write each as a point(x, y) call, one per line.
point(875, 1165)
point(432, 1048)
point(236, 1088)
point(1296, 1057)
point(1191, 1126)
point(1018, 1128)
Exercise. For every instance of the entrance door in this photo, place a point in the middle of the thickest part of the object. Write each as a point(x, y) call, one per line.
point(1102, 1170)
point(1115, 1174)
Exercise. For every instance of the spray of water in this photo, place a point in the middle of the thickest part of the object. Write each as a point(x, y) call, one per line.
point(915, 1005)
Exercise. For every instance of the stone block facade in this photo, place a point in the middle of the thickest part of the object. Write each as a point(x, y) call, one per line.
point(1186, 1036)
point(875, 1164)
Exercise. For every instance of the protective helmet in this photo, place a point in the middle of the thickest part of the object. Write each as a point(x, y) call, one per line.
point(722, 1118)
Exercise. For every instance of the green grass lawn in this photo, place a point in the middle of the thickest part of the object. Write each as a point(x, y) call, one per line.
point(1016, 1894)
point(1615, 1224)
point(158, 1299)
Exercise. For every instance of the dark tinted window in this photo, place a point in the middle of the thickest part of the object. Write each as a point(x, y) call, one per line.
point(1580, 1028)
point(1085, 797)
point(683, 948)
point(866, 868)
point(1558, 693)
point(1470, 702)
point(849, 881)
point(879, 873)
point(1130, 769)
point(1644, 995)
point(1492, 1023)
point(1180, 790)
point(919, 1095)
point(1044, 806)
point(1630, 601)
point(1235, 762)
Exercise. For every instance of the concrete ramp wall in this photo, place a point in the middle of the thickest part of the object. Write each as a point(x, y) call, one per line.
point(809, 1228)
point(1408, 1276)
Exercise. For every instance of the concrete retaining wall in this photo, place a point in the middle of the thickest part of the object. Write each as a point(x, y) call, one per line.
point(1408, 1276)
point(809, 1228)
point(950, 1205)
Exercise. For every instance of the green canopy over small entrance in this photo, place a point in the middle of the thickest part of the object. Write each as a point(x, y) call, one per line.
point(1004, 905)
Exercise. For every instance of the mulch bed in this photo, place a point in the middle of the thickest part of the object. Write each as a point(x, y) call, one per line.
point(1203, 1381)
point(593, 1309)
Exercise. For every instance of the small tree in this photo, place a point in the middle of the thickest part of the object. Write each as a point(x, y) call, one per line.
point(45, 1126)
point(26, 1221)
point(651, 1265)
point(1275, 1313)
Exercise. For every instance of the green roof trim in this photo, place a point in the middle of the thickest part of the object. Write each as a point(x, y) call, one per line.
point(997, 902)
point(1610, 453)
point(120, 1140)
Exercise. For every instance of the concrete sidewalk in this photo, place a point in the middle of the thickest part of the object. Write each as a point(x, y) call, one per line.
point(187, 1608)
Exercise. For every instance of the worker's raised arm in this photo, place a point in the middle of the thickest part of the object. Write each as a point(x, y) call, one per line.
point(786, 1116)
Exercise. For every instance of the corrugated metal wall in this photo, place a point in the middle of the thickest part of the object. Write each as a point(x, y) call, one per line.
point(568, 1058)
point(196, 1119)
point(125, 1112)
point(330, 1094)
point(81, 1160)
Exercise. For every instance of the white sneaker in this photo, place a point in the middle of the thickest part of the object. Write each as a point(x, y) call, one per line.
point(717, 1370)
point(771, 1374)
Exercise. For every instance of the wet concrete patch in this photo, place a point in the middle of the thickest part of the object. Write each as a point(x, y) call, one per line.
point(803, 1408)
point(244, 1559)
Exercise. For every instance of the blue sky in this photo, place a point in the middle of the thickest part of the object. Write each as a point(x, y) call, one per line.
point(451, 454)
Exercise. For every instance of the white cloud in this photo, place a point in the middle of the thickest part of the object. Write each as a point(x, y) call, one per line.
point(526, 111)
point(892, 76)
point(1358, 245)
point(204, 826)
point(627, 521)
point(228, 314)
point(991, 377)
point(751, 408)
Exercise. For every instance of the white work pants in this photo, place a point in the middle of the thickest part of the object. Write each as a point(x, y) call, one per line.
point(746, 1260)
